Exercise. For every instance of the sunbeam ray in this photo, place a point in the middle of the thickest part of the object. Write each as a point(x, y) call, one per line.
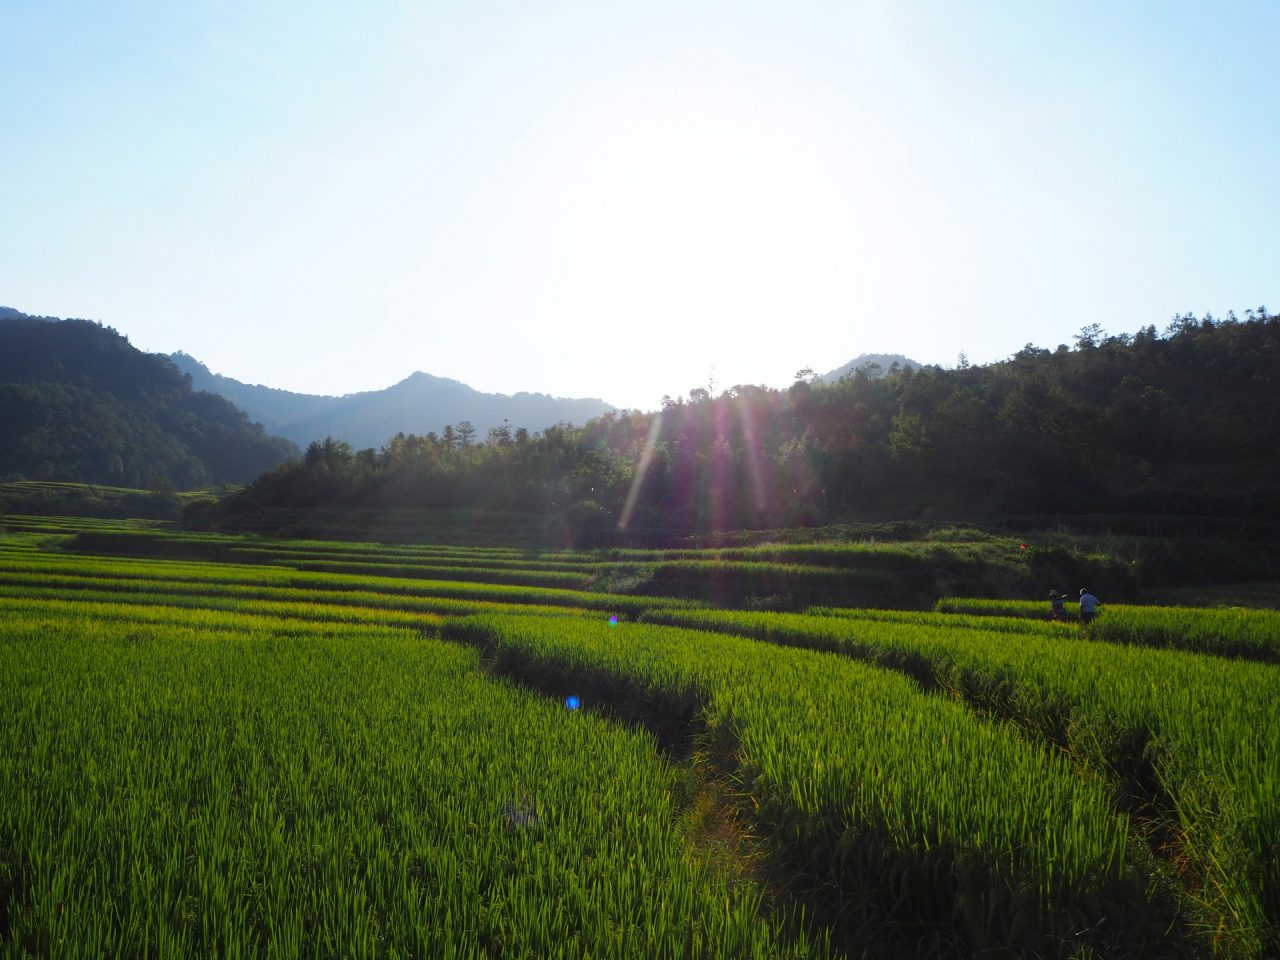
point(637, 479)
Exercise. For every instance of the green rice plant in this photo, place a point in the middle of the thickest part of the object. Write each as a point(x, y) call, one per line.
point(262, 575)
point(733, 582)
point(765, 574)
point(35, 486)
point(177, 791)
point(488, 565)
point(897, 555)
point(983, 607)
point(201, 617)
point(1043, 628)
point(73, 525)
point(364, 547)
point(846, 814)
point(901, 811)
point(1250, 634)
point(504, 529)
point(534, 578)
point(125, 567)
point(168, 608)
point(320, 556)
point(376, 553)
point(283, 619)
point(1194, 738)
point(416, 613)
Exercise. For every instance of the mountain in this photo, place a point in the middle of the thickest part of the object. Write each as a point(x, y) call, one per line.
point(78, 402)
point(870, 362)
point(274, 409)
point(418, 404)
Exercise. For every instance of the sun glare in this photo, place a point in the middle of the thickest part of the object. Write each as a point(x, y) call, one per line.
point(692, 214)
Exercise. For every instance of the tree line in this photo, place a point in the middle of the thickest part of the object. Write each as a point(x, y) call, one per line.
point(1179, 422)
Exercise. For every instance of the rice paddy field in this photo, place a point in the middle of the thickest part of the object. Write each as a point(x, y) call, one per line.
point(235, 746)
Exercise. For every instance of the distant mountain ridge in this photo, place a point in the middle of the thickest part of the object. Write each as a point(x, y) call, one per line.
point(79, 403)
point(420, 403)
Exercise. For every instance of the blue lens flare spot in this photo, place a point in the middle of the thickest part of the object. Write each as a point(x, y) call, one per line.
point(573, 703)
point(613, 621)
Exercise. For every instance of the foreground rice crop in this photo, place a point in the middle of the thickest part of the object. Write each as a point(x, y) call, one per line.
point(229, 756)
point(1192, 741)
point(225, 790)
point(890, 807)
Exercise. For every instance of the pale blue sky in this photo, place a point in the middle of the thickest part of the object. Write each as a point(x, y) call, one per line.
point(622, 201)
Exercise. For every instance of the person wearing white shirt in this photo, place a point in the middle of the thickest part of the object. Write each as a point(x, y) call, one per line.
point(1088, 606)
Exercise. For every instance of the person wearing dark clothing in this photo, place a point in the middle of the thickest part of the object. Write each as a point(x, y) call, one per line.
point(1056, 609)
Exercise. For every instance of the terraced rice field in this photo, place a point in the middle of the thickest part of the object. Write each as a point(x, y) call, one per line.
point(219, 746)
point(1231, 632)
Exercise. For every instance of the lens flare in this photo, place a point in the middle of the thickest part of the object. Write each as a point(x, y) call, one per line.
point(613, 620)
point(751, 446)
point(572, 702)
point(642, 468)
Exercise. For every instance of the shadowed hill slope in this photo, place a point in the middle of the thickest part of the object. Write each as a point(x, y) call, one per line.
point(79, 402)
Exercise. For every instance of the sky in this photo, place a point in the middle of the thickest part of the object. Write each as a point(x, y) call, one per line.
point(627, 201)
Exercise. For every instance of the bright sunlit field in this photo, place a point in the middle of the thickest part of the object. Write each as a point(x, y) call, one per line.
point(339, 749)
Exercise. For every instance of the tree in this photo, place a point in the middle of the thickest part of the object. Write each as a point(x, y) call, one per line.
point(908, 436)
point(466, 433)
point(501, 436)
point(1089, 336)
point(330, 454)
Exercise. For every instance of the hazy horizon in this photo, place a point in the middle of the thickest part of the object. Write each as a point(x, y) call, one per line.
point(624, 202)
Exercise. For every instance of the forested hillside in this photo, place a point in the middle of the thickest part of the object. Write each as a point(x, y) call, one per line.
point(1183, 423)
point(78, 402)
